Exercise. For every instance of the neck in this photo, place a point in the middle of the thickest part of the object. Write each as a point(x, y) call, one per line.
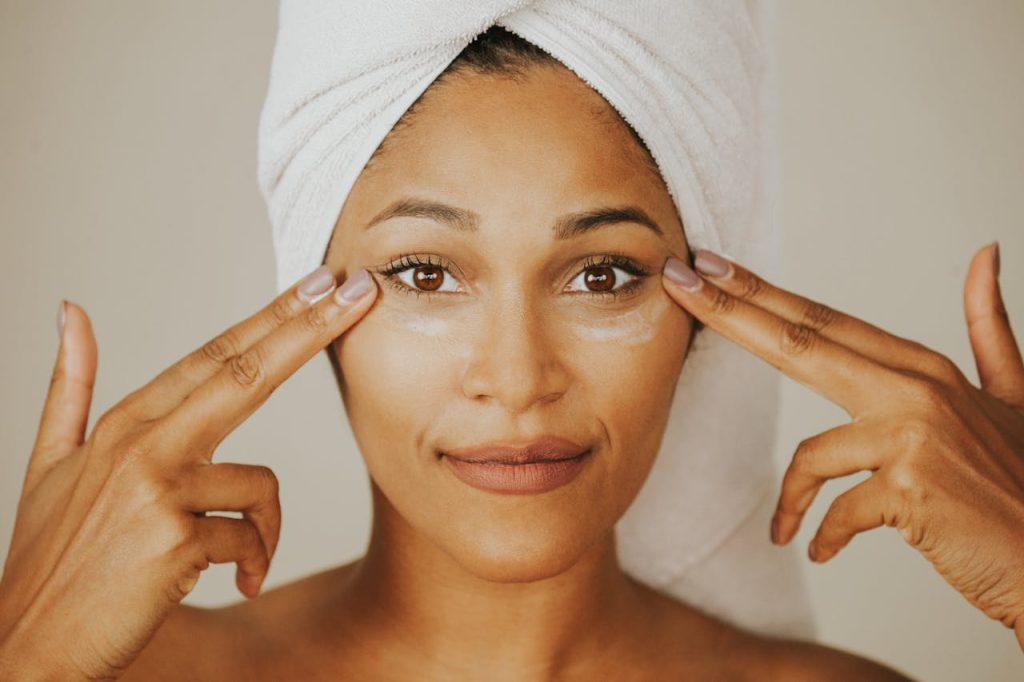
point(415, 600)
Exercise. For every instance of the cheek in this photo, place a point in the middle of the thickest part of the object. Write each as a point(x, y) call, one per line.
point(630, 355)
point(630, 364)
point(397, 370)
point(636, 327)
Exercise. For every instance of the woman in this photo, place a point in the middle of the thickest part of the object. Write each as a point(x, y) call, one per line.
point(458, 582)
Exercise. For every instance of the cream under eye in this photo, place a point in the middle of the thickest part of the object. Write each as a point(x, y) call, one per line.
point(430, 271)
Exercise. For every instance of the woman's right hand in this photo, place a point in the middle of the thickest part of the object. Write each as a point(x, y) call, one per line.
point(110, 533)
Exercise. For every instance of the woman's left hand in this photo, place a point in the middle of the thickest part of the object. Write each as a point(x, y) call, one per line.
point(947, 457)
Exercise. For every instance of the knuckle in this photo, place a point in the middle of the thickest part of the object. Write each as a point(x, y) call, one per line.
point(926, 392)
point(838, 514)
point(129, 451)
point(314, 320)
point(111, 425)
point(803, 455)
point(219, 349)
point(247, 369)
point(914, 434)
point(906, 481)
point(751, 286)
point(280, 310)
point(268, 480)
point(184, 583)
point(722, 303)
point(150, 489)
point(175, 535)
point(130, 404)
point(818, 316)
point(796, 339)
point(256, 550)
point(942, 368)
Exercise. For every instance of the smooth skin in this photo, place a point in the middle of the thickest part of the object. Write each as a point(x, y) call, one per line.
point(456, 583)
point(947, 457)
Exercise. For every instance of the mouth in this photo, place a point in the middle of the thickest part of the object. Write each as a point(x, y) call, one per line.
point(543, 449)
point(537, 468)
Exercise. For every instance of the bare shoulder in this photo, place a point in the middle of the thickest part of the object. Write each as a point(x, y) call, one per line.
point(799, 660)
point(233, 641)
point(723, 651)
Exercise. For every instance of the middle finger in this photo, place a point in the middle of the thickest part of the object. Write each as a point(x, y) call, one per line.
point(830, 369)
point(219, 405)
point(165, 391)
point(865, 338)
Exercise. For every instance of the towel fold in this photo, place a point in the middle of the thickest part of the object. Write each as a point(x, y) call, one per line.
point(695, 79)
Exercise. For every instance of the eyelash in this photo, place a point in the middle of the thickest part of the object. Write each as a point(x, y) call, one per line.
point(407, 261)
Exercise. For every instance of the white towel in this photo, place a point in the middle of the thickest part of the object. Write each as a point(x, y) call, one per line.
point(695, 78)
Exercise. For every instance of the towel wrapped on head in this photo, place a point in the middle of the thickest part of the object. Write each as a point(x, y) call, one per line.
point(695, 80)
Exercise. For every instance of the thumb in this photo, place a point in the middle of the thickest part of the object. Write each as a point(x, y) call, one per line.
point(66, 410)
point(1000, 368)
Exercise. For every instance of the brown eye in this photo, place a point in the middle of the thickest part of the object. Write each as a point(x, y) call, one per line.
point(428, 277)
point(600, 278)
point(421, 277)
point(608, 280)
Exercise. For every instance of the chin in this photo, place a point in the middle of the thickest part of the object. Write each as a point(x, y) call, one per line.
point(505, 556)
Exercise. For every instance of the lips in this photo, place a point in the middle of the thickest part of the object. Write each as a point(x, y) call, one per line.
point(535, 467)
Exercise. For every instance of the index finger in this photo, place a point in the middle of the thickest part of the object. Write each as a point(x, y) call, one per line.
point(219, 405)
point(828, 368)
point(171, 386)
point(867, 339)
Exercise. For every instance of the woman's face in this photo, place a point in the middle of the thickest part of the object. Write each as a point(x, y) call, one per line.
point(504, 325)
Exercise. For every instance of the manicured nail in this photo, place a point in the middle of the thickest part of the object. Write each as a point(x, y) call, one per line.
point(677, 271)
point(995, 257)
point(315, 284)
point(812, 552)
point(354, 287)
point(712, 264)
point(775, 530)
point(60, 319)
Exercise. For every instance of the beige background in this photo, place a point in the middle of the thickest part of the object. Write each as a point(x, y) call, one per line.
point(127, 184)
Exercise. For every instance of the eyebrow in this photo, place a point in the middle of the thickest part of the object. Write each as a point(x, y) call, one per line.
point(566, 227)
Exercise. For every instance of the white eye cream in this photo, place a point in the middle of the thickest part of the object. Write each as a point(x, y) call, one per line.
point(424, 324)
point(634, 327)
point(638, 326)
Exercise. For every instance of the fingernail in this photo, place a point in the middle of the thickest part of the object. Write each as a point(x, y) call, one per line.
point(315, 284)
point(60, 319)
point(711, 263)
point(354, 287)
point(812, 552)
point(775, 530)
point(995, 257)
point(677, 271)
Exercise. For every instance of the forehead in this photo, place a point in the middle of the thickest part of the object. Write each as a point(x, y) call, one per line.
point(531, 147)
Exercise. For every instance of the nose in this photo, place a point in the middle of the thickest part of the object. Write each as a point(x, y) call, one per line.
point(516, 359)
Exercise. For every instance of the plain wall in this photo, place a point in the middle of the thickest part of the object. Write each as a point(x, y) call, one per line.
point(127, 184)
